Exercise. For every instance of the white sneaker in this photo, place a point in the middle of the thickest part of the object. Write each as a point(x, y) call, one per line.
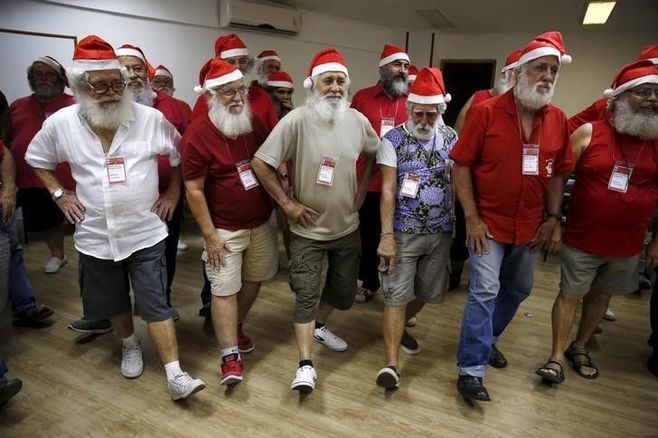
point(609, 315)
point(304, 379)
point(54, 265)
point(325, 336)
point(412, 322)
point(182, 246)
point(364, 295)
point(132, 364)
point(184, 386)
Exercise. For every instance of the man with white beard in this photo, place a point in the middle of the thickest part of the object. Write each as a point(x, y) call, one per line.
point(233, 211)
point(384, 105)
point(616, 173)
point(111, 144)
point(322, 139)
point(522, 139)
point(416, 214)
point(267, 61)
point(47, 80)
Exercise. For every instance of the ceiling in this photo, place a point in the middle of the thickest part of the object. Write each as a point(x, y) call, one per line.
point(482, 16)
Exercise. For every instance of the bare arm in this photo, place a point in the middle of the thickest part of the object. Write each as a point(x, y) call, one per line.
point(461, 118)
point(477, 231)
point(387, 246)
point(73, 210)
point(297, 212)
point(8, 180)
point(196, 199)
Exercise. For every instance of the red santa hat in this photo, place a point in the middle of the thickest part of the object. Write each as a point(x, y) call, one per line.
point(392, 53)
point(216, 72)
point(267, 55)
point(54, 64)
point(548, 43)
point(279, 79)
point(632, 75)
point(413, 73)
point(230, 46)
point(94, 53)
point(429, 88)
point(161, 70)
point(511, 61)
point(649, 53)
point(325, 60)
point(137, 52)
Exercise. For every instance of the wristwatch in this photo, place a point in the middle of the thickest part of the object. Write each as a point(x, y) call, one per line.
point(57, 194)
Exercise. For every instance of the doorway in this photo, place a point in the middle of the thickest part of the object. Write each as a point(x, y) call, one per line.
point(462, 78)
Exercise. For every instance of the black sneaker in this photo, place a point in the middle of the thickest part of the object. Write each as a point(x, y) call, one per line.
point(388, 377)
point(496, 358)
point(8, 389)
point(409, 344)
point(91, 326)
point(204, 312)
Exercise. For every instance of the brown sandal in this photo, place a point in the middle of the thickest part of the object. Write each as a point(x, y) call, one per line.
point(551, 374)
point(571, 354)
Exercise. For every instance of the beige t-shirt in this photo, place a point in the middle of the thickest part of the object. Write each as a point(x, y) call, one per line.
point(302, 137)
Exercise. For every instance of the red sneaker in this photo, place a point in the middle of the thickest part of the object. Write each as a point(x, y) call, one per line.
point(244, 343)
point(232, 369)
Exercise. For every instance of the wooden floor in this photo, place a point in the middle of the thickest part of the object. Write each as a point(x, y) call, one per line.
point(72, 384)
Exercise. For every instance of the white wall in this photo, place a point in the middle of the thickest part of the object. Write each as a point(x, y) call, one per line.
point(182, 46)
point(597, 56)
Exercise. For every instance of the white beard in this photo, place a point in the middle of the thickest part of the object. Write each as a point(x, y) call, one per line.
point(423, 132)
point(636, 124)
point(528, 95)
point(328, 110)
point(262, 79)
point(395, 87)
point(109, 116)
point(144, 94)
point(229, 124)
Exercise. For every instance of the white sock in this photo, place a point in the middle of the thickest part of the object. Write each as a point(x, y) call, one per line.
point(173, 369)
point(231, 350)
point(130, 341)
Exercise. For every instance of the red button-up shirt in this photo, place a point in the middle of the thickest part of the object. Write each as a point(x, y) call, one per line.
point(595, 112)
point(169, 108)
point(512, 204)
point(27, 116)
point(479, 97)
point(375, 104)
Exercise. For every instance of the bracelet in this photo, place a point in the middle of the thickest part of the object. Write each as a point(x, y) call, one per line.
point(557, 217)
point(387, 233)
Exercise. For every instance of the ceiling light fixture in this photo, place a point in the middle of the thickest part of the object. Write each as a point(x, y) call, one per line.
point(598, 12)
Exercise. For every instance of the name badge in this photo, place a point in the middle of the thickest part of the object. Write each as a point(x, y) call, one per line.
point(410, 185)
point(326, 171)
point(116, 170)
point(247, 176)
point(620, 177)
point(387, 124)
point(530, 163)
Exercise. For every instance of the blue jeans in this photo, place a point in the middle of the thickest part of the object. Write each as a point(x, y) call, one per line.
point(499, 282)
point(21, 294)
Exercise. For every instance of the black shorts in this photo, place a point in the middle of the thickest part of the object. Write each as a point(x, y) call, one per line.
point(40, 213)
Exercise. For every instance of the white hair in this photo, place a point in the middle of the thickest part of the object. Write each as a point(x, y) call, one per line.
point(78, 78)
point(634, 123)
point(440, 107)
point(527, 93)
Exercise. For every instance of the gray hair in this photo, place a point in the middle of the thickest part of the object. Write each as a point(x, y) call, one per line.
point(78, 78)
point(440, 107)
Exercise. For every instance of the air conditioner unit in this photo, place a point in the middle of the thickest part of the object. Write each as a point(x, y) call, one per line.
point(259, 16)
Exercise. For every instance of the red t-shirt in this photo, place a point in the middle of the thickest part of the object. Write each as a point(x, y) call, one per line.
point(27, 116)
point(594, 112)
point(606, 222)
point(259, 102)
point(170, 110)
point(2, 150)
point(184, 109)
point(511, 204)
point(375, 104)
point(206, 152)
point(479, 97)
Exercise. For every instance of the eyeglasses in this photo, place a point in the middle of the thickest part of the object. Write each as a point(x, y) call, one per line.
point(645, 93)
point(242, 91)
point(431, 115)
point(102, 88)
point(238, 61)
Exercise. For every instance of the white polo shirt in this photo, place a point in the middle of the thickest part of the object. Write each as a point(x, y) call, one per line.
point(118, 218)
